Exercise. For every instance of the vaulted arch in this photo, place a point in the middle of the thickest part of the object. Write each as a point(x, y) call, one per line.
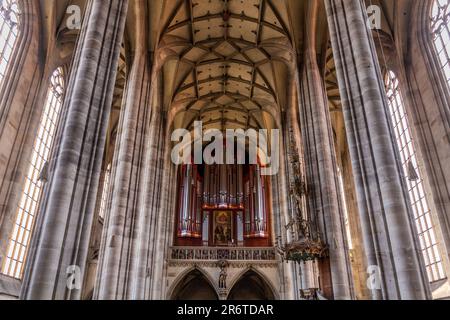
point(251, 285)
point(226, 63)
point(193, 285)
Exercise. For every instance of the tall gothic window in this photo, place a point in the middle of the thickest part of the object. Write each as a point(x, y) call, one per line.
point(440, 26)
point(9, 30)
point(105, 191)
point(415, 183)
point(345, 209)
point(36, 176)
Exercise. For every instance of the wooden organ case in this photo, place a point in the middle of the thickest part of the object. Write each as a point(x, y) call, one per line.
point(223, 205)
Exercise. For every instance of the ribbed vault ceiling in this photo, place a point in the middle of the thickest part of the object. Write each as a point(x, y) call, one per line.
point(227, 62)
point(224, 61)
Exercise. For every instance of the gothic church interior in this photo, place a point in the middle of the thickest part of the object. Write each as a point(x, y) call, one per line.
point(349, 101)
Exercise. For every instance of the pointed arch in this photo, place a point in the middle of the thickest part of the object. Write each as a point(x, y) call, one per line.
point(195, 282)
point(10, 25)
point(440, 30)
point(251, 284)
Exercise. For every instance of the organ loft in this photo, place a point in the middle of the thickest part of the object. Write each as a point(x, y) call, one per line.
point(332, 115)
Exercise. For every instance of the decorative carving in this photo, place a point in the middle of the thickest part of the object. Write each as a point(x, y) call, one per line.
point(219, 254)
point(223, 275)
point(304, 250)
point(223, 292)
point(235, 257)
point(231, 264)
point(309, 294)
point(306, 244)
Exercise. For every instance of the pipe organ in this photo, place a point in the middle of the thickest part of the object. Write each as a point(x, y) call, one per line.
point(223, 187)
point(190, 204)
point(255, 217)
point(222, 205)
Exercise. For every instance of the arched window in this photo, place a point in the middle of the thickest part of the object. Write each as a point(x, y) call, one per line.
point(9, 31)
point(415, 182)
point(440, 26)
point(345, 209)
point(36, 177)
point(105, 191)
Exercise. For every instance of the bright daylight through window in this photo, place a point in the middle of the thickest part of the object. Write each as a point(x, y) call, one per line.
point(29, 203)
point(9, 31)
point(415, 183)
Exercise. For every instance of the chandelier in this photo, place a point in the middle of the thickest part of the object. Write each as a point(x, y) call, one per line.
point(306, 244)
point(303, 250)
point(305, 247)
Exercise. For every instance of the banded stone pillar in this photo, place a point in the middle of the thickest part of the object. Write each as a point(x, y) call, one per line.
point(281, 212)
point(165, 206)
point(293, 142)
point(358, 257)
point(392, 251)
point(121, 222)
point(158, 172)
point(57, 260)
point(307, 276)
point(324, 199)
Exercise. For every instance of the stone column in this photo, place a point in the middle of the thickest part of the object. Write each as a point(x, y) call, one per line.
point(165, 220)
point(293, 142)
point(121, 222)
point(287, 270)
point(307, 275)
point(61, 239)
point(95, 239)
point(358, 257)
point(324, 196)
point(389, 235)
point(152, 192)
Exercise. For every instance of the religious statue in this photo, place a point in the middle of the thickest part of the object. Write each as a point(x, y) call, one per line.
point(223, 275)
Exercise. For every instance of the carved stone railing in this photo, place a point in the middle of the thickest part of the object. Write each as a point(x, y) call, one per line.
point(232, 254)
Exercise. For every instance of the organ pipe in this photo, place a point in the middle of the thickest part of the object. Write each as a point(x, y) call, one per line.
point(222, 187)
point(190, 203)
point(255, 206)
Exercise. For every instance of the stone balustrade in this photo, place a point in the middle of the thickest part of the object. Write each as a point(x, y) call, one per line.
point(222, 253)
